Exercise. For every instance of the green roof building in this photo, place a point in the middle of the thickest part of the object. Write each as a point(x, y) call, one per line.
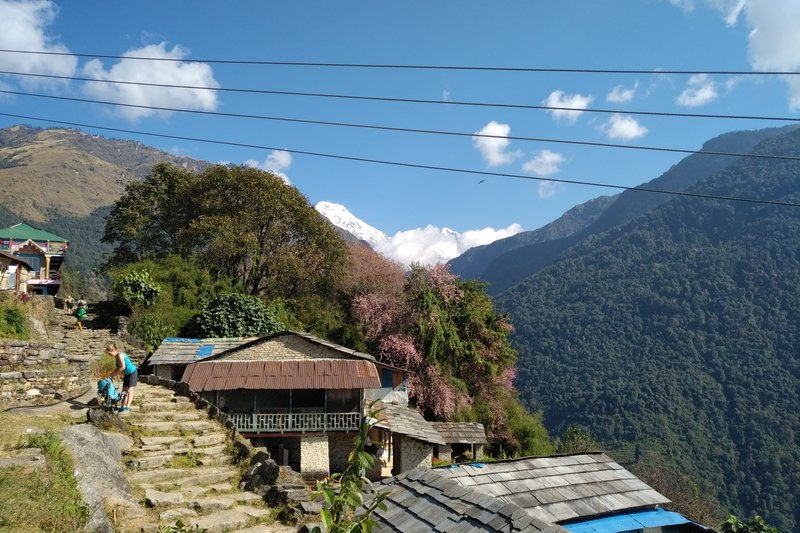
point(42, 250)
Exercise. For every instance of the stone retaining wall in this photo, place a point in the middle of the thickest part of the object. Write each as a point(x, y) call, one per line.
point(33, 373)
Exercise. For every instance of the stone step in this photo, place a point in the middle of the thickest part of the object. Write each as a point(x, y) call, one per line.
point(159, 440)
point(149, 463)
point(149, 407)
point(221, 521)
point(209, 439)
point(199, 476)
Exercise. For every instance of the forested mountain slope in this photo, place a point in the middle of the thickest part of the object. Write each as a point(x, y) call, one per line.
point(503, 268)
point(472, 263)
point(679, 332)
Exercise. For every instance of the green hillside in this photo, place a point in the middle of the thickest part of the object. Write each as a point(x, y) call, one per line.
point(681, 327)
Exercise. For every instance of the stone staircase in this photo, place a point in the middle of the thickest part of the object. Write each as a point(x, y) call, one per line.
point(180, 467)
point(90, 343)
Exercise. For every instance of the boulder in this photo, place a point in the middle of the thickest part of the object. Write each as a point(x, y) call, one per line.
point(106, 420)
point(97, 458)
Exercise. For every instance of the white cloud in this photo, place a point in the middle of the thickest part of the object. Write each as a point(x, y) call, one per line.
point(700, 90)
point(445, 95)
point(276, 162)
point(163, 72)
point(22, 27)
point(544, 164)
point(431, 245)
point(623, 127)
point(774, 41)
point(576, 103)
point(621, 94)
point(686, 5)
point(548, 188)
point(494, 149)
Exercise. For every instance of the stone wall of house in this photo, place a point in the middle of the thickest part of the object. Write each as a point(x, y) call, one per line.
point(339, 446)
point(445, 453)
point(33, 373)
point(285, 347)
point(414, 453)
point(314, 461)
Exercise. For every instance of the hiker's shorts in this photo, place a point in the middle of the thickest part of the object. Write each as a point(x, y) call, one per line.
point(129, 380)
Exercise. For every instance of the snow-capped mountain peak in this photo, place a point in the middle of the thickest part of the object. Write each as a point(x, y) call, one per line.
point(341, 217)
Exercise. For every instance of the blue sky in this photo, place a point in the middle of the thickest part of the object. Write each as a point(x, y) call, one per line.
point(741, 35)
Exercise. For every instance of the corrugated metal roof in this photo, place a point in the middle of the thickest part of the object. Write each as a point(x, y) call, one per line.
point(181, 351)
point(461, 432)
point(281, 375)
point(24, 232)
point(406, 421)
point(560, 488)
point(630, 522)
point(18, 260)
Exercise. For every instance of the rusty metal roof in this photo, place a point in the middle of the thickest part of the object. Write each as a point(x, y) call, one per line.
point(286, 374)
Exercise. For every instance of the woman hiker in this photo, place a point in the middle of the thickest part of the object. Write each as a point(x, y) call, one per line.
point(127, 371)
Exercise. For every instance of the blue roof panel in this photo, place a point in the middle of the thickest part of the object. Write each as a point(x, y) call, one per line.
point(205, 350)
point(628, 522)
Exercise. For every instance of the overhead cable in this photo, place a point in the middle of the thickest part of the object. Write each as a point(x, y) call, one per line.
point(403, 130)
point(655, 71)
point(406, 100)
point(413, 165)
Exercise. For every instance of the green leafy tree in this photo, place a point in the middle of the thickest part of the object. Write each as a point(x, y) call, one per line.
point(150, 219)
point(259, 230)
point(235, 315)
point(731, 524)
point(350, 498)
point(577, 440)
point(136, 289)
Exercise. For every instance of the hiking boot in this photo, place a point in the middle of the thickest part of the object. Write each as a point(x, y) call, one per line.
point(123, 411)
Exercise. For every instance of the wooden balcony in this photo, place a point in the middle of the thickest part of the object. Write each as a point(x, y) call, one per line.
point(295, 422)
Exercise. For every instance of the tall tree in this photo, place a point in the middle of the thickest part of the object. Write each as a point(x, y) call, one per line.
point(150, 218)
point(260, 230)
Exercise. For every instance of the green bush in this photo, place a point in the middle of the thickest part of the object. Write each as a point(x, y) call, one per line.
point(136, 288)
point(151, 328)
point(235, 315)
point(13, 321)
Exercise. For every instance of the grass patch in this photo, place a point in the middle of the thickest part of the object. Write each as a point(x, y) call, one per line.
point(42, 500)
point(16, 428)
point(188, 460)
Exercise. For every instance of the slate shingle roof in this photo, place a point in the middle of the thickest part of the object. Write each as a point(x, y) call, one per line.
point(406, 421)
point(461, 432)
point(179, 351)
point(290, 345)
point(428, 500)
point(559, 488)
point(531, 495)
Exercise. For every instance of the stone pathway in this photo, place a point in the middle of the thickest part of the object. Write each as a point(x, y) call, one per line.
point(180, 468)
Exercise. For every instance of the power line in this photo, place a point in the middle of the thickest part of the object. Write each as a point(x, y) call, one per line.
point(413, 165)
point(406, 100)
point(403, 130)
point(412, 67)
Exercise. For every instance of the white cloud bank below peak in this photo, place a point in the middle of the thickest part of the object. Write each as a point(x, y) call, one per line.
point(432, 245)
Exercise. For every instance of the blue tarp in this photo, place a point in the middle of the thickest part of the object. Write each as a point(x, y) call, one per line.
point(205, 350)
point(632, 521)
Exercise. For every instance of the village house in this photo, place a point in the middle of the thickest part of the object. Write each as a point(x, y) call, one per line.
point(464, 441)
point(42, 251)
point(14, 273)
point(304, 398)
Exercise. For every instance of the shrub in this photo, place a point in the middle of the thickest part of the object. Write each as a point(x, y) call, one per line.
point(235, 315)
point(136, 288)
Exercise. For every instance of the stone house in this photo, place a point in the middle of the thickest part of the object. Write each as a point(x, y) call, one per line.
point(304, 398)
point(44, 252)
point(463, 440)
point(14, 273)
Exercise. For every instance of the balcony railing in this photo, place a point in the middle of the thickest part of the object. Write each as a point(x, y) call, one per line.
point(295, 422)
